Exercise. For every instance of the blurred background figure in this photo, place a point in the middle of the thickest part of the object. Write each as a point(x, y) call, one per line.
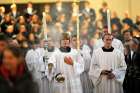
point(14, 76)
point(14, 12)
point(89, 12)
point(2, 12)
point(57, 10)
point(3, 44)
point(103, 12)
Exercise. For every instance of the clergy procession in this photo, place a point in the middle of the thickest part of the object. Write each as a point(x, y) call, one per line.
point(68, 47)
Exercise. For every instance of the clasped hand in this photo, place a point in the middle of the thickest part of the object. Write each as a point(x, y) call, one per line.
point(109, 74)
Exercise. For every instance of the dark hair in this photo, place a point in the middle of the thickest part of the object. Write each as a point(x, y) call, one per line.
point(107, 34)
point(16, 51)
point(74, 36)
point(128, 31)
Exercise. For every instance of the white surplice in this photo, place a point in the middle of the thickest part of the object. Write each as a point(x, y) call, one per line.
point(87, 84)
point(107, 61)
point(116, 43)
point(46, 84)
point(34, 66)
point(33, 63)
point(72, 83)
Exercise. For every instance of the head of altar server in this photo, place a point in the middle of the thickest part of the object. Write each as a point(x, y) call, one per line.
point(74, 41)
point(50, 42)
point(65, 40)
point(135, 44)
point(107, 38)
point(13, 7)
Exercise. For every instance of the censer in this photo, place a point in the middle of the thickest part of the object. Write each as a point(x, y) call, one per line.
point(60, 78)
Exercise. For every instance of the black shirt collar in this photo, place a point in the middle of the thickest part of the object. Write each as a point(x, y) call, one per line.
point(51, 49)
point(66, 50)
point(108, 50)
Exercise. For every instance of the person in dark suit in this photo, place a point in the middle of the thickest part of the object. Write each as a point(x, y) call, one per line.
point(136, 64)
point(131, 82)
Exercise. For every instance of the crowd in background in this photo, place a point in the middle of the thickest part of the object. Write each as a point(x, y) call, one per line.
point(27, 29)
point(26, 26)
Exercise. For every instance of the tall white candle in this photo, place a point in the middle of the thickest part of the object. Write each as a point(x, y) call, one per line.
point(108, 21)
point(78, 32)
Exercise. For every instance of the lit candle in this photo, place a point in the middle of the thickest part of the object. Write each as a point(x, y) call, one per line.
point(44, 26)
point(78, 32)
point(108, 21)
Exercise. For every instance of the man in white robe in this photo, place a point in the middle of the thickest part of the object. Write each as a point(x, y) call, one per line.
point(34, 66)
point(44, 55)
point(116, 43)
point(67, 65)
point(85, 52)
point(108, 68)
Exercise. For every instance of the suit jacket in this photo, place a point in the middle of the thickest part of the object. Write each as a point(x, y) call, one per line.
point(136, 62)
point(130, 64)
